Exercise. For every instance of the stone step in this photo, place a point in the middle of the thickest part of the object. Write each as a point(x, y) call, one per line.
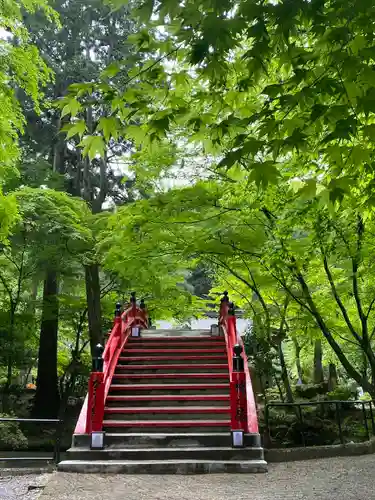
point(173, 412)
point(168, 400)
point(166, 378)
point(174, 345)
point(189, 359)
point(171, 389)
point(167, 425)
point(164, 440)
point(190, 453)
point(163, 466)
point(139, 351)
point(174, 368)
point(175, 333)
point(178, 338)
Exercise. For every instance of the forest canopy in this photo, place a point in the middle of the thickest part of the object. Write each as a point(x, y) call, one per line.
point(183, 149)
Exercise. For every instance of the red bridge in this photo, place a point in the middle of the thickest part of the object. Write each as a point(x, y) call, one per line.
point(168, 401)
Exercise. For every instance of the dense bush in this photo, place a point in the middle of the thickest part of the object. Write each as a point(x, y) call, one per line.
point(311, 391)
point(343, 393)
point(11, 436)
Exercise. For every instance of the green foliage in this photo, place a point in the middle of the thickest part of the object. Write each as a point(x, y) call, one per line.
point(21, 67)
point(237, 139)
point(343, 393)
point(11, 436)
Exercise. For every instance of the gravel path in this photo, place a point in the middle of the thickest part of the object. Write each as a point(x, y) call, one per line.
point(344, 478)
point(26, 487)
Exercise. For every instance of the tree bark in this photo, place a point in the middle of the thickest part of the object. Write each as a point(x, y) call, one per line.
point(298, 360)
point(94, 313)
point(47, 399)
point(332, 377)
point(350, 369)
point(318, 362)
point(284, 375)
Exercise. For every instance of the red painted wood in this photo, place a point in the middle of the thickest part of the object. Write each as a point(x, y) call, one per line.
point(95, 407)
point(179, 351)
point(176, 345)
point(115, 344)
point(141, 376)
point(197, 366)
point(169, 410)
point(166, 387)
point(252, 413)
point(238, 402)
point(169, 358)
point(228, 323)
point(166, 423)
point(167, 339)
point(170, 397)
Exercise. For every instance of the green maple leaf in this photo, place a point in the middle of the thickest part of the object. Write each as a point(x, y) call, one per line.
point(76, 128)
point(93, 145)
point(199, 51)
point(231, 158)
point(111, 70)
point(264, 173)
point(109, 126)
point(73, 107)
point(145, 10)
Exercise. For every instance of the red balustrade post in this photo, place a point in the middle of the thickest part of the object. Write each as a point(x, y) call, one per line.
point(224, 307)
point(95, 407)
point(117, 320)
point(238, 399)
point(143, 313)
point(133, 305)
point(232, 325)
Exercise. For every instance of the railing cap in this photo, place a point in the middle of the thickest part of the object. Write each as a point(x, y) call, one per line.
point(98, 351)
point(237, 349)
point(231, 310)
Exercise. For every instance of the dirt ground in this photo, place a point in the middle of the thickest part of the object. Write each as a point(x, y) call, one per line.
point(344, 478)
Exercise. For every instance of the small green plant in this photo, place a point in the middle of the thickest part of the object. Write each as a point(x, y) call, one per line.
point(342, 393)
point(365, 397)
point(11, 436)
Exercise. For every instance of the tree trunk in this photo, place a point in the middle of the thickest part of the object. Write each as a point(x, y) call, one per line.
point(47, 399)
point(284, 375)
point(350, 369)
point(332, 377)
point(282, 399)
point(94, 312)
point(318, 362)
point(298, 360)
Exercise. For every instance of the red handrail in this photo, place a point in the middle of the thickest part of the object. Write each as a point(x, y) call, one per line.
point(228, 323)
point(133, 316)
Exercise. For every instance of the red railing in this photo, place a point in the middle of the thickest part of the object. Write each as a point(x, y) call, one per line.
point(92, 413)
point(241, 389)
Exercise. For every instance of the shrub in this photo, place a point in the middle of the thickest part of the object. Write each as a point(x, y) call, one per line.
point(342, 393)
point(272, 394)
point(311, 391)
point(11, 436)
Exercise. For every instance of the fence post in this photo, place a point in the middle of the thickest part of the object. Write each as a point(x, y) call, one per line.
point(238, 400)
point(372, 418)
point(267, 431)
point(365, 422)
point(338, 416)
point(301, 422)
point(95, 407)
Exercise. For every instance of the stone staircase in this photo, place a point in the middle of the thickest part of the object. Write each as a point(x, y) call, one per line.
point(168, 411)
